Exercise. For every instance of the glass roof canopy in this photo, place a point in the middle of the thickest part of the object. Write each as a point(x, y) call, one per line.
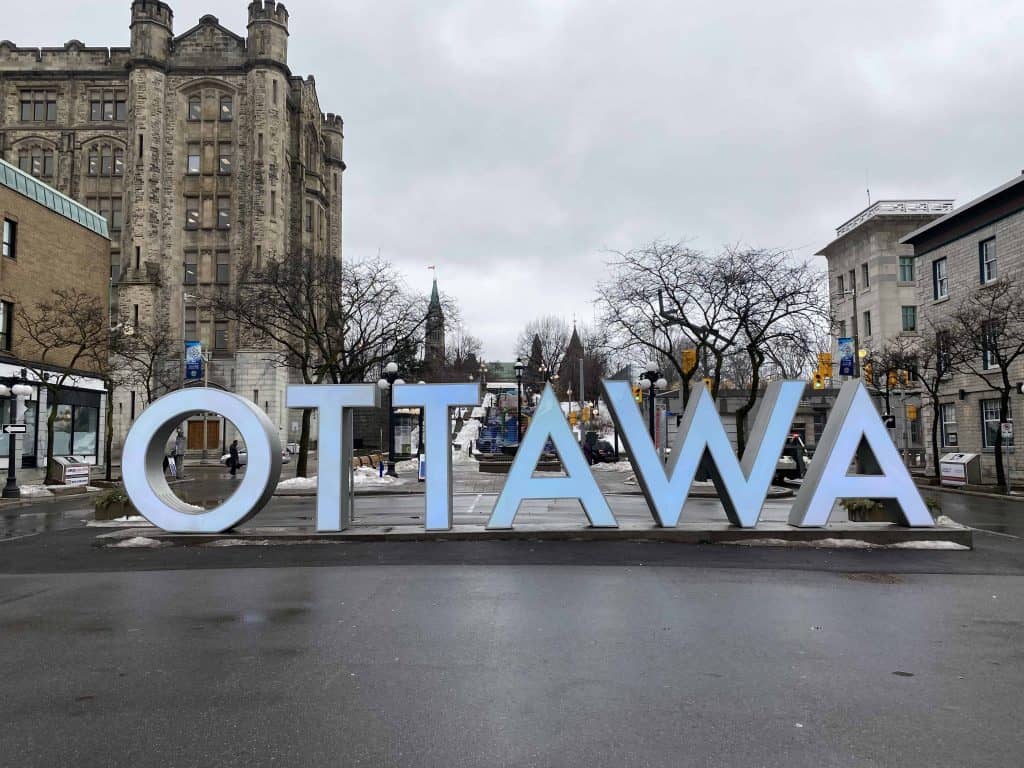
point(21, 182)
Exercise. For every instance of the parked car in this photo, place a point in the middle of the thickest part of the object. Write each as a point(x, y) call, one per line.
point(603, 452)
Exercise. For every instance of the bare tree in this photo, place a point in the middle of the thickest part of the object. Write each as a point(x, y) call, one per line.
point(552, 333)
point(987, 340)
point(150, 357)
point(929, 363)
point(328, 321)
point(61, 335)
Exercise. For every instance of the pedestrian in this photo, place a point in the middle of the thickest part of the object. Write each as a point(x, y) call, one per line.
point(233, 458)
point(179, 452)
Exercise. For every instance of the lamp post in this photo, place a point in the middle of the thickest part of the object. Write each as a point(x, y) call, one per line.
point(13, 388)
point(651, 383)
point(519, 399)
point(387, 384)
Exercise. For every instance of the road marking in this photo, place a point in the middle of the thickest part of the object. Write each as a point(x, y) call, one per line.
point(475, 502)
point(995, 533)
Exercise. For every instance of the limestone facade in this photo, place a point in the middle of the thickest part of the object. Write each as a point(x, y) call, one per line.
point(206, 155)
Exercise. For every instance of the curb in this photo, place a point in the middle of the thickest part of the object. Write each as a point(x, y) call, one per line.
point(34, 500)
point(979, 494)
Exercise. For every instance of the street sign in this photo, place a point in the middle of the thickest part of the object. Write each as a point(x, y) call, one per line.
point(1007, 429)
point(15, 429)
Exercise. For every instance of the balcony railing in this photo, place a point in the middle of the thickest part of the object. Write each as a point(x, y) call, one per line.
point(896, 208)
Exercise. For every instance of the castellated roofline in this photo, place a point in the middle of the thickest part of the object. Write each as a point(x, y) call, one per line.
point(152, 11)
point(268, 10)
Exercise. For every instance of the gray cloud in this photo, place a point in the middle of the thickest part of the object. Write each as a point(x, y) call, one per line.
point(511, 143)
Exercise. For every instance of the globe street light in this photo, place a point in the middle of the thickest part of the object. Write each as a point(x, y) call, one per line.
point(387, 385)
point(651, 383)
point(13, 387)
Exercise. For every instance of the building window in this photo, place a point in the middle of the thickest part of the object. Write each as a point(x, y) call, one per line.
point(191, 213)
point(940, 279)
point(115, 266)
point(108, 105)
point(987, 260)
point(191, 324)
point(990, 423)
point(947, 415)
point(865, 276)
point(909, 318)
point(275, 92)
point(273, 203)
point(259, 257)
point(223, 267)
point(259, 146)
point(10, 247)
point(989, 346)
point(195, 108)
point(195, 159)
point(76, 430)
point(225, 158)
point(852, 274)
point(840, 285)
point(227, 109)
point(867, 323)
point(223, 213)
point(943, 354)
point(842, 329)
point(105, 161)
point(220, 335)
point(309, 216)
point(191, 273)
point(37, 162)
point(109, 208)
point(906, 269)
point(38, 106)
point(6, 325)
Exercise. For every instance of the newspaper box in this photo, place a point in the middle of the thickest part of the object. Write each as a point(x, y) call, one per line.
point(73, 472)
point(959, 469)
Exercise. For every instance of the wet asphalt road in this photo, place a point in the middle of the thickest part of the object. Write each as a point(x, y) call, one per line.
point(508, 653)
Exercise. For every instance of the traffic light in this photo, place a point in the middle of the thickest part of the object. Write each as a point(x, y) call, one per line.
point(868, 374)
point(709, 383)
point(818, 380)
point(572, 419)
point(638, 394)
point(911, 413)
point(893, 379)
point(824, 365)
point(689, 361)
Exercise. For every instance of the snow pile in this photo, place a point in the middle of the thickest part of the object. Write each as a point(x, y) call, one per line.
point(367, 477)
point(944, 521)
point(298, 484)
point(35, 491)
point(465, 439)
point(118, 522)
point(141, 542)
point(846, 544)
point(618, 466)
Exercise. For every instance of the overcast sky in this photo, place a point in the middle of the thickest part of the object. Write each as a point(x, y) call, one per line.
point(512, 143)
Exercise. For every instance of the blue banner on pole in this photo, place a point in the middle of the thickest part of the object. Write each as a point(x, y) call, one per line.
point(846, 353)
point(193, 361)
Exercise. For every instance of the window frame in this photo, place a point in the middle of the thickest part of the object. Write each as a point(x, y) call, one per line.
point(10, 239)
point(944, 433)
point(223, 156)
point(865, 274)
point(223, 212)
point(988, 261)
point(903, 318)
point(222, 268)
point(198, 156)
point(985, 421)
point(6, 325)
point(197, 210)
point(906, 266)
point(229, 115)
point(194, 115)
point(940, 278)
point(866, 317)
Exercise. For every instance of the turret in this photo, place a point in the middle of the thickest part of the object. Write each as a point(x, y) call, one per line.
point(268, 31)
point(152, 29)
point(334, 137)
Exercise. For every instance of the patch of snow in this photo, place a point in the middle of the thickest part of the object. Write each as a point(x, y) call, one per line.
point(617, 466)
point(118, 522)
point(35, 491)
point(464, 440)
point(140, 542)
point(945, 521)
point(845, 544)
point(298, 484)
point(368, 478)
point(238, 543)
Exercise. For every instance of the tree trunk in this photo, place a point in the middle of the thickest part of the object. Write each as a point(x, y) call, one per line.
point(744, 410)
point(1004, 413)
point(936, 409)
point(52, 477)
point(301, 467)
point(108, 442)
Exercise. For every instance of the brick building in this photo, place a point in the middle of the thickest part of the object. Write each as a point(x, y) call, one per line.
point(964, 251)
point(50, 242)
point(205, 153)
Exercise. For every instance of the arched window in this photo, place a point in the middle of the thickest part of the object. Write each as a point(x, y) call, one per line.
point(36, 161)
point(105, 160)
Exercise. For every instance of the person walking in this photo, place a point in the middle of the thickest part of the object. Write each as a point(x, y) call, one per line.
point(233, 458)
point(179, 452)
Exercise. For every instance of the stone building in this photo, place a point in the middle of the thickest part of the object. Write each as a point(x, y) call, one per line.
point(205, 154)
point(873, 291)
point(434, 348)
point(50, 243)
point(965, 251)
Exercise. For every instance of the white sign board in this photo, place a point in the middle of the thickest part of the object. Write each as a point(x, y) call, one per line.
point(953, 473)
point(1007, 429)
point(76, 475)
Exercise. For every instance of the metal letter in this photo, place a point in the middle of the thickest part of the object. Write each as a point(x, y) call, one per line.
point(856, 430)
point(436, 399)
point(549, 422)
point(334, 442)
point(143, 462)
point(742, 485)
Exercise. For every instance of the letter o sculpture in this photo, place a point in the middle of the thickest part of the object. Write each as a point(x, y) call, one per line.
point(142, 465)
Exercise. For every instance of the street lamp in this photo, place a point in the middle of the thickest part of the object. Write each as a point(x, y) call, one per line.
point(13, 387)
point(387, 384)
point(519, 399)
point(652, 382)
